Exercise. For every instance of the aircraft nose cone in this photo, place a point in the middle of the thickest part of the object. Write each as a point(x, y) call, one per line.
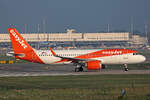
point(143, 58)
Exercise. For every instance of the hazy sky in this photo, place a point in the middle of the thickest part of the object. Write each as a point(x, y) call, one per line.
point(82, 15)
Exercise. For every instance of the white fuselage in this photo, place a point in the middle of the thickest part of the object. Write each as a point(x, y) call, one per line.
point(47, 57)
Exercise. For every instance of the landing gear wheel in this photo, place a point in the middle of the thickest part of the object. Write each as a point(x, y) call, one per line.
point(126, 67)
point(80, 69)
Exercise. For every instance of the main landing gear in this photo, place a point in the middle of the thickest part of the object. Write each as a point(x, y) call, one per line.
point(126, 67)
point(79, 68)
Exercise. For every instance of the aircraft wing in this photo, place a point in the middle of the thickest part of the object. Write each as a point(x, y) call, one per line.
point(69, 58)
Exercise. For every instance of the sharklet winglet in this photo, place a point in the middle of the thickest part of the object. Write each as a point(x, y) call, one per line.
point(54, 54)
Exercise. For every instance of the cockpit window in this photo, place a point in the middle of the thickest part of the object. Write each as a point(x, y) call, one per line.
point(134, 53)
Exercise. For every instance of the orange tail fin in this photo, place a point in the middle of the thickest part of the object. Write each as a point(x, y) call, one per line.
point(22, 50)
point(18, 43)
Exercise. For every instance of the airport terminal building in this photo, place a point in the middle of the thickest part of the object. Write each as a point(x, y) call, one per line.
point(74, 39)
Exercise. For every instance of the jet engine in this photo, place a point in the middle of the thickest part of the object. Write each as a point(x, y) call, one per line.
point(94, 65)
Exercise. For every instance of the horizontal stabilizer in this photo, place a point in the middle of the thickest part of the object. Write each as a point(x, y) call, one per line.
point(14, 54)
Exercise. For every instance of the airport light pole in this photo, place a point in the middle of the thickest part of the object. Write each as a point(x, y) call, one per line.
point(146, 34)
point(38, 36)
point(108, 28)
point(25, 28)
point(44, 31)
point(132, 26)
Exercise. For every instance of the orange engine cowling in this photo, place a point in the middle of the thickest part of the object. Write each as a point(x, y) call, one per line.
point(94, 65)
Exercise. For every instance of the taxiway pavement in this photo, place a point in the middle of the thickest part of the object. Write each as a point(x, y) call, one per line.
point(31, 69)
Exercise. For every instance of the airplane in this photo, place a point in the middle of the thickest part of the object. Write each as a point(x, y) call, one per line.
point(90, 59)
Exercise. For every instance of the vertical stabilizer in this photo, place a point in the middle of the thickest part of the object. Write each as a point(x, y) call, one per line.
point(22, 50)
point(18, 43)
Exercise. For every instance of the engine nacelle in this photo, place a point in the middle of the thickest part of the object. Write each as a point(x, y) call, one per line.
point(94, 65)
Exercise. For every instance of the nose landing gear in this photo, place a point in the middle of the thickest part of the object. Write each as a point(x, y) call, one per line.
point(126, 67)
